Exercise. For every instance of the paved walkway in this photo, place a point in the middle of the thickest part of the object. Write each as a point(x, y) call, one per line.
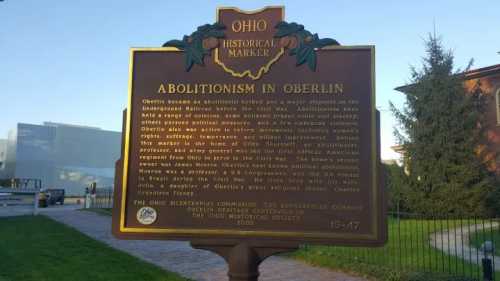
point(181, 258)
point(14, 211)
point(24, 210)
point(455, 242)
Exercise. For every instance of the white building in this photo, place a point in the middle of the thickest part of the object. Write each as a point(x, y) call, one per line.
point(62, 155)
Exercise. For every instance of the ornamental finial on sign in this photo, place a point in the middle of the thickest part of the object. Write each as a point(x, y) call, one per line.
point(302, 43)
point(229, 54)
point(199, 43)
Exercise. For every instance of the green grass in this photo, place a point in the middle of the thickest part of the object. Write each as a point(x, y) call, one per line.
point(39, 249)
point(478, 238)
point(100, 211)
point(408, 250)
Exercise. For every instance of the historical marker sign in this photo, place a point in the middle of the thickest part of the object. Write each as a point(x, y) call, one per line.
point(251, 128)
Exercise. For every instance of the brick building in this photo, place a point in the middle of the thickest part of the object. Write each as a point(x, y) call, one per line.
point(489, 80)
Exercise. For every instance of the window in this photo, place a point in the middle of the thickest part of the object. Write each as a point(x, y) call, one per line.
point(497, 99)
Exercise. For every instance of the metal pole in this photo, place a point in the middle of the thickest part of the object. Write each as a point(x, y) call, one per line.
point(487, 269)
point(243, 258)
point(35, 204)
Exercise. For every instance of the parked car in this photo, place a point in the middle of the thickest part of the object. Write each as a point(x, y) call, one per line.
point(55, 196)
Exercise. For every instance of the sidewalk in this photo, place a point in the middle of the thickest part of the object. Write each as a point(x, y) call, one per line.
point(181, 258)
point(455, 242)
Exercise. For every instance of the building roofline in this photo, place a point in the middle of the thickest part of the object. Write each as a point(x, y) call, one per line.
point(65, 125)
point(481, 72)
point(58, 124)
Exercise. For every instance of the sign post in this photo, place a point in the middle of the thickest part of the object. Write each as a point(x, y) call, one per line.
point(248, 137)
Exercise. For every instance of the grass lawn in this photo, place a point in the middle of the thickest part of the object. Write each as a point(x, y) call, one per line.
point(478, 238)
point(408, 250)
point(39, 249)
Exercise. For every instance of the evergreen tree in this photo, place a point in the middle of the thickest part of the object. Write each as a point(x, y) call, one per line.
point(397, 188)
point(440, 130)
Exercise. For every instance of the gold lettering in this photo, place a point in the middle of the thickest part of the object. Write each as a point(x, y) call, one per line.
point(161, 89)
point(251, 25)
point(236, 26)
point(180, 88)
point(268, 88)
point(313, 88)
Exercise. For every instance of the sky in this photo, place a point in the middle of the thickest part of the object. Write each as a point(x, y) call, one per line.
point(67, 61)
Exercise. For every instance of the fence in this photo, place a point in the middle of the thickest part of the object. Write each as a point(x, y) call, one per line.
point(17, 202)
point(102, 199)
point(438, 244)
point(21, 183)
point(445, 244)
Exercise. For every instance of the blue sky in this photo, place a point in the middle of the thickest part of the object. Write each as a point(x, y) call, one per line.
point(67, 61)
